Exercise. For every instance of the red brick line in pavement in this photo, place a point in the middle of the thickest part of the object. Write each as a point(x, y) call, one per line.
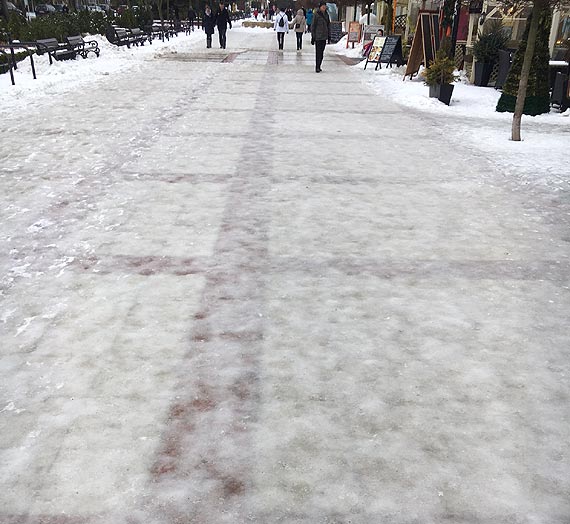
point(549, 270)
point(44, 519)
point(230, 58)
point(194, 478)
point(145, 265)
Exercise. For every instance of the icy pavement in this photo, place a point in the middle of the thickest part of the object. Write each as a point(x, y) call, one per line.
point(236, 291)
point(472, 123)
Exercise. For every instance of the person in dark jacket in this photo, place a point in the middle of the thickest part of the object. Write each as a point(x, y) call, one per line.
point(209, 23)
point(320, 33)
point(191, 18)
point(223, 21)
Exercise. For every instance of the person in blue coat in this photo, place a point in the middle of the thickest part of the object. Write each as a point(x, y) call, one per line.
point(309, 20)
point(209, 24)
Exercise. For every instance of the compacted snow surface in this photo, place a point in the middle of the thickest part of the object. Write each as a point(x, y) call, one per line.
point(232, 290)
point(471, 121)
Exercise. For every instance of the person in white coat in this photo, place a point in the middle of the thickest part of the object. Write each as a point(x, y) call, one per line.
point(281, 25)
point(364, 19)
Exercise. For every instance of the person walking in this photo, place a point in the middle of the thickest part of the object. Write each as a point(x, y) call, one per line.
point(191, 17)
point(300, 26)
point(369, 18)
point(281, 25)
point(309, 19)
point(320, 33)
point(223, 20)
point(208, 25)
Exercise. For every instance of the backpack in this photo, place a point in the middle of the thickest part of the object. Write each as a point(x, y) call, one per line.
point(281, 23)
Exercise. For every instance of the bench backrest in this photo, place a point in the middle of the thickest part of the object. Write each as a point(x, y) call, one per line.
point(75, 40)
point(136, 31)
point(121, 32)
point(50, 44)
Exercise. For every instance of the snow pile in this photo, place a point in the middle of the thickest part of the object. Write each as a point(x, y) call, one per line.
point(340, 48)
point(61, 77)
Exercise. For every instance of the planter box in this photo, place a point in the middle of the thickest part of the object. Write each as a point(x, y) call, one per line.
point(482, 73)
point(445, 92)
point(260, 23)
point(442, 92)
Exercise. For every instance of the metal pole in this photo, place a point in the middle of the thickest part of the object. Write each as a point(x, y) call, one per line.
point(9, 66)
point(32, 62)
point(12, 54)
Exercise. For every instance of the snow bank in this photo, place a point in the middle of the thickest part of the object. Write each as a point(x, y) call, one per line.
point(63, 77)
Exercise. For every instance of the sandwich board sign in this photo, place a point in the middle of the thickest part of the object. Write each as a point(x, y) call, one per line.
point(354, 33)
point(425, 43)
point(335, 32)
point(392, 51)
point(375, 51)
point(371, 31)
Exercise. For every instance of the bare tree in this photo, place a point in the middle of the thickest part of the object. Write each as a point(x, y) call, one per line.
point(4, 6)
point(537, 7)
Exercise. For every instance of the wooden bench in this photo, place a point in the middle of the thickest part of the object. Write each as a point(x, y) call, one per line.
point(164, 30)
point(156, 33)
point(118, 36)
point(55, 50)
point(138, 37)
point(82, 47)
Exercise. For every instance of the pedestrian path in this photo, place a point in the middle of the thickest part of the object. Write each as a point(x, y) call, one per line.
point(237, 291)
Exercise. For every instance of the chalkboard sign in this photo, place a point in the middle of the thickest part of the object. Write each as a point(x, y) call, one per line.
point(392, 51)
point(336, 32)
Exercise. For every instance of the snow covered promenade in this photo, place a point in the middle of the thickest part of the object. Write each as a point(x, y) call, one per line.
point(233, 291)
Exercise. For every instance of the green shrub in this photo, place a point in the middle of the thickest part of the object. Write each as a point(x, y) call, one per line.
point(4, 59)
point(135, 18)
point(55, 26)
point(537, 99)
point(491, 40)
point(440, 71)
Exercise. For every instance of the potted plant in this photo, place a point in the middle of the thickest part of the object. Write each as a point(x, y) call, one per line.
point(439, 76)
point(486, 50)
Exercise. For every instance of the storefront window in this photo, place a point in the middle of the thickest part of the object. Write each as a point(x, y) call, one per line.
point(562, 44)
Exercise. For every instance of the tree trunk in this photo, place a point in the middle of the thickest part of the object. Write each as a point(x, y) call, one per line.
point(160, 14)
point(355, 6)
point(4, 6)
point(529, 53)
point(389, 16)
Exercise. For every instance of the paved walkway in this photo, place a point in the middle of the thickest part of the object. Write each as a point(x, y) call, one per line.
point(243, 292)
